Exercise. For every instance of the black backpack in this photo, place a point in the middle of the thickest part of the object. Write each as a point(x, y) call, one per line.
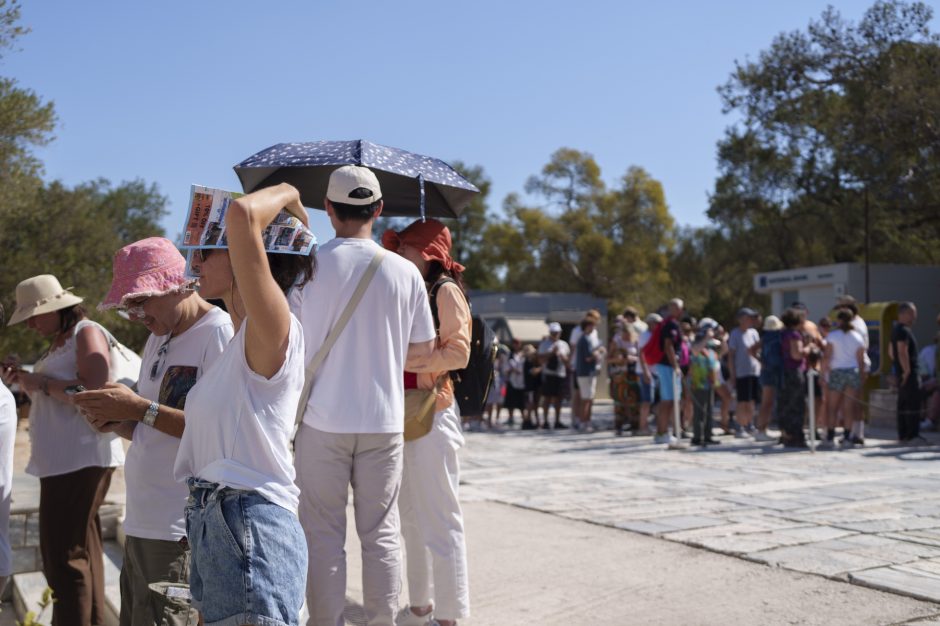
point(472, 383)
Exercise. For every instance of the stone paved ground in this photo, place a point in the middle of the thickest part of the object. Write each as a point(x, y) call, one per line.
point(869, 516)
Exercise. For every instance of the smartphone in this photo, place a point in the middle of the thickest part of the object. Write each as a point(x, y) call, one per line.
point(73, 389)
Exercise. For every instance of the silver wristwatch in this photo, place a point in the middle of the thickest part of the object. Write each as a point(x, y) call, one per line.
point(150, 415)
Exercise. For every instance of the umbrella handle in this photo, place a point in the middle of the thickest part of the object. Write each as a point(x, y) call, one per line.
point(421, 196)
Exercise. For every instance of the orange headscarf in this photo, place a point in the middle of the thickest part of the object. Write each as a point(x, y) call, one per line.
point(431, 237)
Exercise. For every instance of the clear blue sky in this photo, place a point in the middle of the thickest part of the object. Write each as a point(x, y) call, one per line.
point(178, 92)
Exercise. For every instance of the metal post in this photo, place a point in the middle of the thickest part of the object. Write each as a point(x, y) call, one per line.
point(810, 381)
point(677, 422)
point(867, 249)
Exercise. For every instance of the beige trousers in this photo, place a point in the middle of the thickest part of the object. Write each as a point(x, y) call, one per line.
point(327, 464)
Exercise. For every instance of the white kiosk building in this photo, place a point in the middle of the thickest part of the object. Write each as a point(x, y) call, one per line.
point(819, 287)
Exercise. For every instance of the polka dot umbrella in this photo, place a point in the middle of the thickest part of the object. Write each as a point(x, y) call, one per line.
point(413, 185)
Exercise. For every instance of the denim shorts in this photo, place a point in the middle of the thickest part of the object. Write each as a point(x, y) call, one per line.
point(249, 557)
point(667, 383)
point(842, 379)
point(647, 391)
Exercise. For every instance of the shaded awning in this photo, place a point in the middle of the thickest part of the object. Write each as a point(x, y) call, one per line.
point(527, 330)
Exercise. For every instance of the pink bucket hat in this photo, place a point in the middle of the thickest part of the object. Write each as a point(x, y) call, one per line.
point(149, 267)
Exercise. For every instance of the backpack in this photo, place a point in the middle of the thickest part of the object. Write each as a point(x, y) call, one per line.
point(472, 383)
point(653, 350)
point(772, 351)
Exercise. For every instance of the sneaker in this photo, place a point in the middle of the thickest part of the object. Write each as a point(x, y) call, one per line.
point(763, 436)
point(712, 442)
point(846, 443)
point(406, 618)
point(858, 441)
point(560, 426)
point(741, 434)
point(664, 438)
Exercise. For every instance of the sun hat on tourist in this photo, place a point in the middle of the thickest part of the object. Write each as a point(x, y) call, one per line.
point(553, 328)
point(654, 318)
point(430, 237)
point(41, 294)
point(772, 322)
point(707, 322)
point(347, 179)
point(746, 311)
point(146, 268)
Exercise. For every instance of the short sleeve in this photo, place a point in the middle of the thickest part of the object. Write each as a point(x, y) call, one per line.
point(293, 359)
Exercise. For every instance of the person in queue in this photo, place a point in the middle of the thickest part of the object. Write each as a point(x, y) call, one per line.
point(7, 442)
point(352, 425)
point(187, 335)
point(845, 371)
point(431, 518)
point(792, 391)
point(73, 462)
point(249, 556)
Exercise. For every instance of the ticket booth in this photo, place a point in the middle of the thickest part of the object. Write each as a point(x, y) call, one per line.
point(880, 318)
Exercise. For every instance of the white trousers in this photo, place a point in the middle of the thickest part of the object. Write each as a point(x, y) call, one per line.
point(326, 465)
point(432, 522)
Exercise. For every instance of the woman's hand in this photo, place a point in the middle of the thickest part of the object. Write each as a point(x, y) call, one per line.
point(103, 426)
point(9, 373)
point(294, 207)
point(112, 403)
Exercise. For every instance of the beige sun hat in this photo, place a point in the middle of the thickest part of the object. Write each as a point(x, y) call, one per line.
point(41, 294)
point(772, 322)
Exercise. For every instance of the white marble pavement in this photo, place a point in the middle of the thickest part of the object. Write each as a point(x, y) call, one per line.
point(868, 516)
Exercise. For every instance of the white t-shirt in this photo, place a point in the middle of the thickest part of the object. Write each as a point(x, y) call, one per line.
point(7, 443)
point(61, 440)
point(741, 342)
point(155, 500)
point(239, 423)
point(360, 386)
point(844, 348)
point(859, 326)
point(563, 350)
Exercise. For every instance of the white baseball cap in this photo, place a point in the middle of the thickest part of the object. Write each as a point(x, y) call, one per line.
point(347, 179)
point(554, 327)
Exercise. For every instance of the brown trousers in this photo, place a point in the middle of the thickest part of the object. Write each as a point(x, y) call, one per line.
point(70, 543)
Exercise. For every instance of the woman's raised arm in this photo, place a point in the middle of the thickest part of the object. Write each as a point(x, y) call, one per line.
point(265, 305)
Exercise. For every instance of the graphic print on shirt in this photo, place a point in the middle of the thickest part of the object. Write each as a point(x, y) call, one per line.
point(177, 381)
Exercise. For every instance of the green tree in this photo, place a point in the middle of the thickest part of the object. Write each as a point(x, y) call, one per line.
point(469, 232)
point(838, 139)
point(53, 229)
point(73, 233)
point(25, 122)
point(612, 243)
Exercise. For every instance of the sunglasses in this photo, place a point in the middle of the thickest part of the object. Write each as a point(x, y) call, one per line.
point(160, 363)
point(135, 309)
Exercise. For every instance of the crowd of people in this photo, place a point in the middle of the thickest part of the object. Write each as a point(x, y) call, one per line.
point(273, 384)
point(756, 374)
point(268, 388)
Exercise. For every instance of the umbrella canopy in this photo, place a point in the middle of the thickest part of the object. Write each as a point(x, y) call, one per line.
point(410, 182)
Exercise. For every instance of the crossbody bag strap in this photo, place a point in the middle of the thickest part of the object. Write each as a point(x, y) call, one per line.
point(335, 332)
